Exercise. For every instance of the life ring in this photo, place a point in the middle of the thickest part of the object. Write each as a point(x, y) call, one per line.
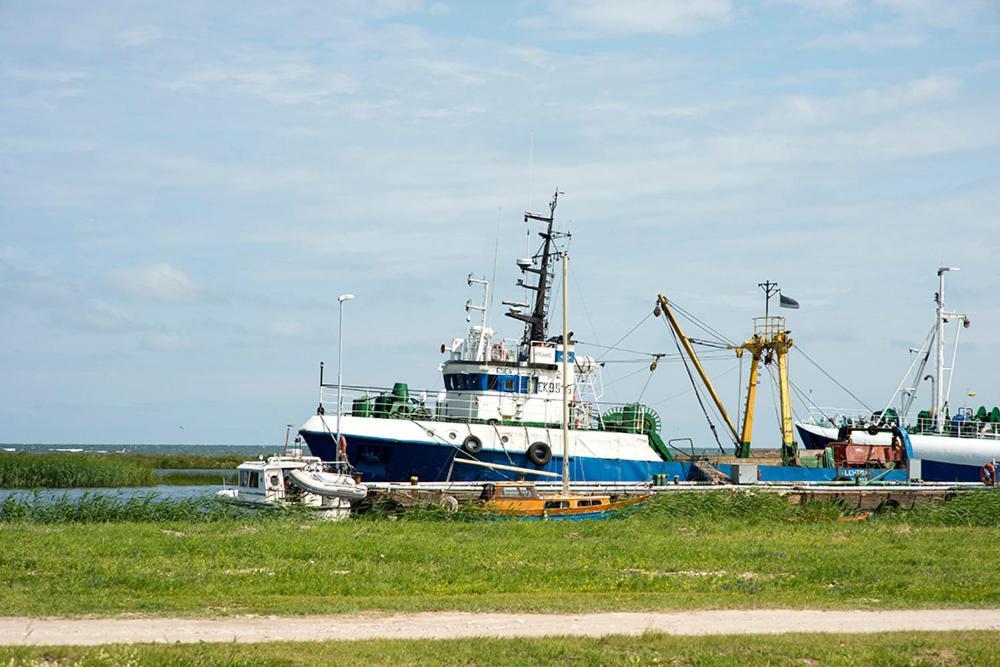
point(497, 352)
point(342, 447)
point(988, 474)
point(539, 453)
point(472, 445)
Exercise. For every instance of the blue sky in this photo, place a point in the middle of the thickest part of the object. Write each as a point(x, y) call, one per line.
point(186, 187)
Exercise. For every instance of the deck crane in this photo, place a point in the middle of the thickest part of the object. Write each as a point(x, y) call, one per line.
point(769, 344)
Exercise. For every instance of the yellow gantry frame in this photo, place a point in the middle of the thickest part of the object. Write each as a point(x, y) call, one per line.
point(770, 337)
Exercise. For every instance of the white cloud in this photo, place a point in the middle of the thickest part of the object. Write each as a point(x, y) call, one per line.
point(139, 36)
point(102, 316)
point(277, 83)
point(626, 17)
point(908, 23)
point(157, 282)
point(43, 75)
point(287, 329)
point(166, 342)
point(814, 110)
point(879, 36)
point(21, 283)
point(828, 6)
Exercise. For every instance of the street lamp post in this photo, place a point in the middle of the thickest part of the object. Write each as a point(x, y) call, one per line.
point(340, 366)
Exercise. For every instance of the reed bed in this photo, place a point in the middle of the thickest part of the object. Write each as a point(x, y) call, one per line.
point(141, 508)
point(973, 508)
point(30, 471)
point(181, 478)
point(750, 507)
point(181, 461)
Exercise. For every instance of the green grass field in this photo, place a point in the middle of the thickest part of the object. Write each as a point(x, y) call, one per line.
point(704, 551)
point(947, 648)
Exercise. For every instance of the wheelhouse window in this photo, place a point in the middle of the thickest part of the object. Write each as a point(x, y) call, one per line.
point(249, 478)
point(466, 381)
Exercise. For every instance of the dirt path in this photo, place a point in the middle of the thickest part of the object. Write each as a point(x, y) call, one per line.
point(444, 625)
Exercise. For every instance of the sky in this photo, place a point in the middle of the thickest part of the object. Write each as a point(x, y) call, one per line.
point(186, 187)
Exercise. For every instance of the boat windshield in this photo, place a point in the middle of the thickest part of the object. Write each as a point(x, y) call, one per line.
point(517, 492)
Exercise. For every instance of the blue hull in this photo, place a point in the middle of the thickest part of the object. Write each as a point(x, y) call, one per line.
point(930, 471)
point(398, 461)
point(812, 440)
point(935, 471)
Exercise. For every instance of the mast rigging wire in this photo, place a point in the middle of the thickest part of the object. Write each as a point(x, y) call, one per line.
point(832, 379)
point(629, 333)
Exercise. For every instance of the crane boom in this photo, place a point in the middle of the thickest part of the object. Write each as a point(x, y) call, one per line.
point(664, 307)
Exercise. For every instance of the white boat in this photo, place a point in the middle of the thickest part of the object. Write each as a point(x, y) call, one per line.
point(953, 446)
point(295, 480)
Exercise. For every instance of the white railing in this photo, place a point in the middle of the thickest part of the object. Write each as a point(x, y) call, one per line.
point(967, 428)
point(768, 327)
point(835, 417)
point(964, 428)
point(435, 405)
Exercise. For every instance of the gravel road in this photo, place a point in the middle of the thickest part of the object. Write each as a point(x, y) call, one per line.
point(445, 625)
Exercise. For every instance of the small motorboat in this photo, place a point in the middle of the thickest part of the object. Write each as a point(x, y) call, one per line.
point(293, 480)
point(522, 500)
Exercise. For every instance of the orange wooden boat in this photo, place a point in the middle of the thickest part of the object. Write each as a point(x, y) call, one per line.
point(522, 500)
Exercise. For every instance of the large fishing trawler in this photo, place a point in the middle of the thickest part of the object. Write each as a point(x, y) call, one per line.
point(952, 444)
point(500, 413)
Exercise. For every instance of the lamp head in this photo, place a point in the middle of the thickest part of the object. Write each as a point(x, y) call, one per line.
point(345, 297)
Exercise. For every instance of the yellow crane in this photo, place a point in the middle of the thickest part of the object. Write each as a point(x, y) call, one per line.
point(770, 343)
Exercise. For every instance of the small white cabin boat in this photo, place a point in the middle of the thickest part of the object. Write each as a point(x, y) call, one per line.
point(295, 480)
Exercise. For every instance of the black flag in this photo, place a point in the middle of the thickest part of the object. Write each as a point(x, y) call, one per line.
point(788, 302)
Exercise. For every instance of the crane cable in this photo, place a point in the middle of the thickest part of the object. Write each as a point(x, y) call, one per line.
point(697, 394)
point(702, 325)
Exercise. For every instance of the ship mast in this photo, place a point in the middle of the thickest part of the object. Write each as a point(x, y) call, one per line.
point(939, 409)
point(536, 322)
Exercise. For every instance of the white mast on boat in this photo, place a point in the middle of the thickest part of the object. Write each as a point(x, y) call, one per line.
point(484, 309)
point(565, 374)
point(939, 354)
point(340, 367)
point(941, 395)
